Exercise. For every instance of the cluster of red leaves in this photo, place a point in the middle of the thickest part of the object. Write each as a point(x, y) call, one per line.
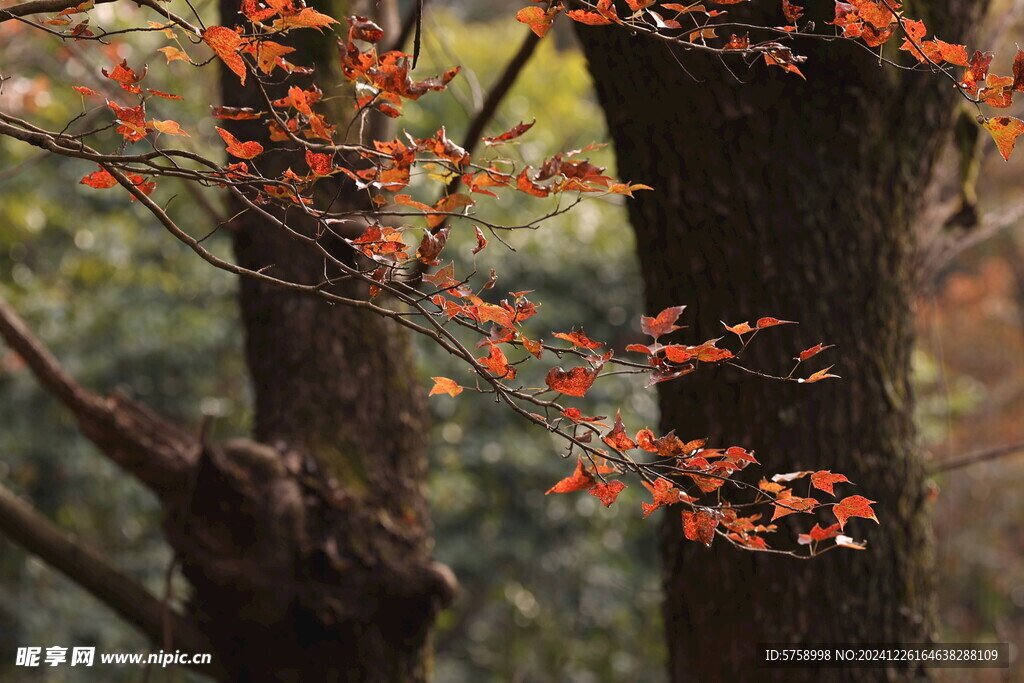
point(708, 470)
point(383, 82)
point(873, 22)
point(876, 21)
point(386, 77)
point(687, 470)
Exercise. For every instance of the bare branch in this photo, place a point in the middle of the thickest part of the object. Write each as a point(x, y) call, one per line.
point(40, 7)
point(945, 246)
point(93, 572)
point(982, 455)
point(46, 6)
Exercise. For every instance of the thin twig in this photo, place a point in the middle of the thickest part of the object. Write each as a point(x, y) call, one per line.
point(982, 455)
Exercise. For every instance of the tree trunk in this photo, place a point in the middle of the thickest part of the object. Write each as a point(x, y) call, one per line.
point(775, 196)
point(309, 549)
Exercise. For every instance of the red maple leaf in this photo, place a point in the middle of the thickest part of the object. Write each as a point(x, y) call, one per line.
point(663, 323)
point(664, 492)
point(824, 479)
point(617, 438)
point(578, 338)
point(497, 363)
point(443, 385)
point(225, 43)
point(699, 526)
point(791, 505)
point(607, 493)
point(575, 382)
point(854, 506)
point(580, 479)
point(242, 150)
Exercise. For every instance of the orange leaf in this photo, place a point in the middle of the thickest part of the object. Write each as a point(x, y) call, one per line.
point(740, 330)
point(174, 54)
point(497, 363)
point(709, 353)
point(165, 95)
point(791, 505)
point(677, 353)
point(617, 438)
point(740, 454)
point(954, 54)
point(792, 12)
point(251, 10)
point(481, 242)
point(817, 534)
point(976, 71)
point(126, 76)
point(365, 30)
point(663, 323)
point(537, 19)
point(242, 150)
point(824, 479)
point(443, 385)
point(306, 18)
point(81, 89)
point(268, 54)
point(664, 492)
point(575, 382)
point(607, 493)
point(823, 534)
point(772, 322)
point(579, 339)
point(513, 132)
point(320, 164)
point(580, 479)
point(100, 180)
point(575, 415)
point(818, 376)
point(783, 58)
point(811, 352)
point(854, 506)
point(1004, 130)
point(225, 43)
point(627, 188)
point(589, 18)
point(737, 42)
point(169, 127)
point(699, 526)
point(645, 439)
point(1018, 71)
point(132, 120)
point(525, 184)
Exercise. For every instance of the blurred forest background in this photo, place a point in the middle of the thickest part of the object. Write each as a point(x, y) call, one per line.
point(552, 588)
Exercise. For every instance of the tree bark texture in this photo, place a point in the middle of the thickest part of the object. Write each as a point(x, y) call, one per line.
point(794, 199)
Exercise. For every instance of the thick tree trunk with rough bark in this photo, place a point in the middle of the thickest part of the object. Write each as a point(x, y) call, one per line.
point(309, 548)
point(776, 196)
